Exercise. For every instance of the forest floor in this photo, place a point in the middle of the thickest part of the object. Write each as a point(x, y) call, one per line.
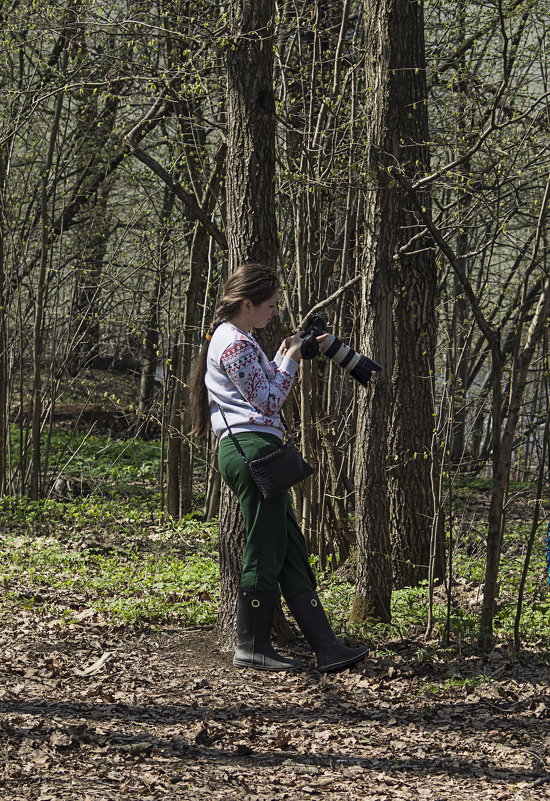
point(112, 685)
point(93, 713)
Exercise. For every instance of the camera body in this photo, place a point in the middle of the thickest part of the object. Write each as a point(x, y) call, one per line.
point(360, 367)
point(314, 326)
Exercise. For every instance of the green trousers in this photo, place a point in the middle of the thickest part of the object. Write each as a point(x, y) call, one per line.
point(275, 552)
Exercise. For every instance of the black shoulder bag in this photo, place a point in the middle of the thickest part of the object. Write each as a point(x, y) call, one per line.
point(278, 471)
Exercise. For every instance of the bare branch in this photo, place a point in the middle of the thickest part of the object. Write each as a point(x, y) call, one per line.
point(332, 297)
point(193, 208)
point(468, 43)
point(490, 333)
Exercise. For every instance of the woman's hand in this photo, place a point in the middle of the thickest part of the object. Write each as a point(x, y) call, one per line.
point(292, 346)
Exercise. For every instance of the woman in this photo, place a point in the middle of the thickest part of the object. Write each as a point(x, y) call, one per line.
point(237, 387)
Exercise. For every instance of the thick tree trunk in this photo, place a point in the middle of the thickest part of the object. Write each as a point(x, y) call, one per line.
point(4, 411)
point(395, 423)
point(94, 126)
point(373, 588)
point(251, 226)
point(414, 319)
point(231, 553)
point(91, 245)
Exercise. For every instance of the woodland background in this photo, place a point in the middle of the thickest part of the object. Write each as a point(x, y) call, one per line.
point(393, 156)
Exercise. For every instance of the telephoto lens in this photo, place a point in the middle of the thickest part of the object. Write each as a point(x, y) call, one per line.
point(359, 367)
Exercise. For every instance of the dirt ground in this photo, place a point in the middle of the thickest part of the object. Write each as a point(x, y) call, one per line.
point(93, 714)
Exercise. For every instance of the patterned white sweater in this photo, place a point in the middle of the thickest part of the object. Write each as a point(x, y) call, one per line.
point(249, 388)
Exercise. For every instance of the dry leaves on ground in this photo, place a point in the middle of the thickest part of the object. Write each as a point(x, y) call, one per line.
point(98, 714)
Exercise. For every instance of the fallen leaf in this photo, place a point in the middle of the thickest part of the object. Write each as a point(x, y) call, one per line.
point(283, 739)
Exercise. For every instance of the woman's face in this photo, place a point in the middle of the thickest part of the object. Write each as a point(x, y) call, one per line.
point(263, 313)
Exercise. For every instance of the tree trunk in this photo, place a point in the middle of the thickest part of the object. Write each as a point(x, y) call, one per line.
point(414, 319)
point(395, 421)
point(91, 246)
point(373, 588)
point(152, 332)
point(251, 226)
point(4, 410)
point(94, 126)
point(36, 469)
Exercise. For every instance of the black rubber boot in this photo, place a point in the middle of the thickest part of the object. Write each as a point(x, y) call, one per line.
point(331, 652)
point(254, 619)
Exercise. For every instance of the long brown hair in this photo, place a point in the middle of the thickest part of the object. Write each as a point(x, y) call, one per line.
point(253, 282)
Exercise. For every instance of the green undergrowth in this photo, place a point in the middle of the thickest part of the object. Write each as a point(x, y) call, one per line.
point(104, 465)
point(465, 485)
point(127, 564)
point(117, 561)
point(459, 618)
point(114, 558)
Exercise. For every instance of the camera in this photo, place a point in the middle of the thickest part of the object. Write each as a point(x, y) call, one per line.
point(360, 367)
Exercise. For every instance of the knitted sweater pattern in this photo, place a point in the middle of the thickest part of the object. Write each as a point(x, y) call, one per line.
point(241, 379)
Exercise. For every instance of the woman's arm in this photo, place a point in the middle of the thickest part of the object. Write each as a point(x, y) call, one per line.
point(240, 361)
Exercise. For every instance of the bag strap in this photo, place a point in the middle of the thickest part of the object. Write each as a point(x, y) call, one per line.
point(232, 435)
point(236, 441)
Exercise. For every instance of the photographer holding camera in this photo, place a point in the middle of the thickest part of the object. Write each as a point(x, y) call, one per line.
point(239, 392)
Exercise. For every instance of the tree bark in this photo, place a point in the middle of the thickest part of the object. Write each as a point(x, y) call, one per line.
point(4, 410)
point(395, 416)
point(251, 226)
point(94, 126)
point(91, 245)
point(373, 589)
point(414, 318)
